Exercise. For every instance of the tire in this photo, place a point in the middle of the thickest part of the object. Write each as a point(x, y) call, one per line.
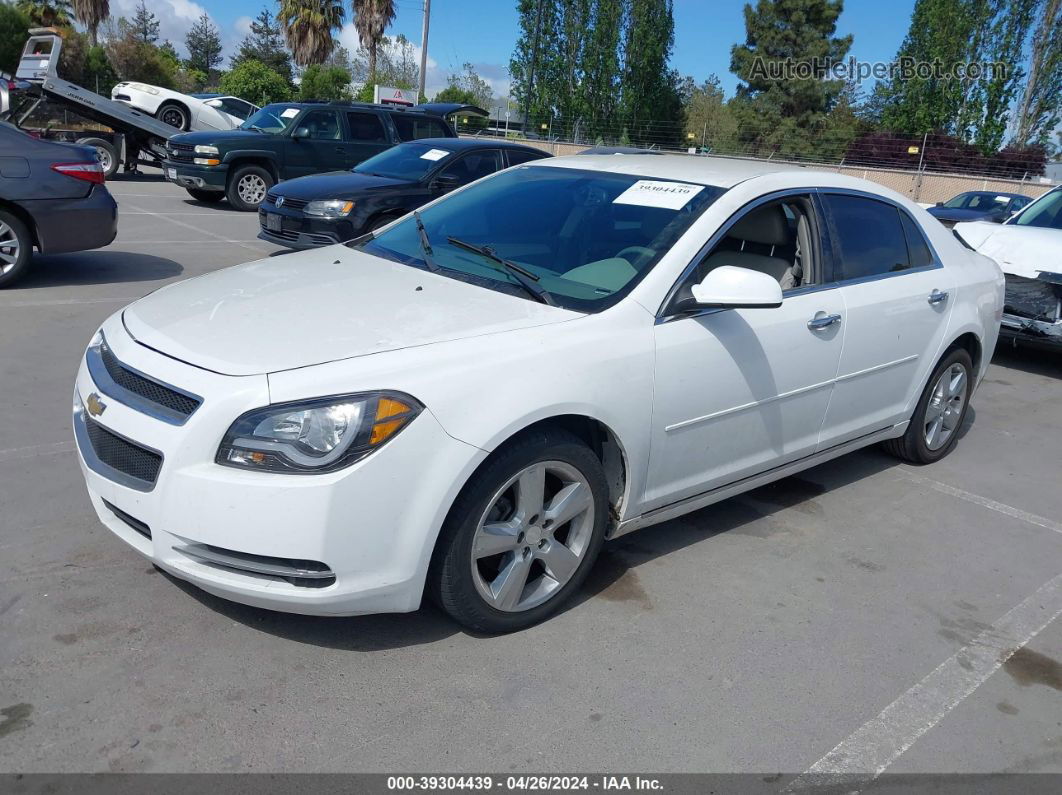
point(16, 248)
point(933, 431)
point(173, 114)
point(106, 154)
point(382, 221)
point(532, 564)
point(247, 187)
point(206, 196)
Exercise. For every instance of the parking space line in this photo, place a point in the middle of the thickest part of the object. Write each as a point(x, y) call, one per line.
point(32, 451)
point(984, 502)
point(200, 231)
point(68, 301)
point(879, 742)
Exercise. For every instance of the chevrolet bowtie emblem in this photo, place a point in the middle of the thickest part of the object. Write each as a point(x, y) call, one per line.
point(95, 406)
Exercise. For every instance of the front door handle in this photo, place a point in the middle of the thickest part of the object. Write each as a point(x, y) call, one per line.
point(937, 297)
point(822, 320)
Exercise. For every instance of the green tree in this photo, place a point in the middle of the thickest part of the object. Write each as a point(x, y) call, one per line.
point(325, 82)
point(99, 76)
point(265, 43)
point(91, 13)
point(779, 112)
point(708, 118)
point(371, 18)
point(256, 82)
point(14, 30)
point(46, 13)
point(1040, 108)
point(647, 87)
point(204, 47)
point(599, 66)
point(536, 60)
point(145, 24)
point(309, 28)
point(132, 58)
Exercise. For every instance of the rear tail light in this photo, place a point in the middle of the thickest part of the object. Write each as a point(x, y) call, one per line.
point(90, 172)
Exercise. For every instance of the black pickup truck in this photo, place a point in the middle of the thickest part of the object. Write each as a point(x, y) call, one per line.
point(294, 139)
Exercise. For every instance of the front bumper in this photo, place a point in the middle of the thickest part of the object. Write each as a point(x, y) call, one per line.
point(301, 231)
point(1032, 310)
point(351, 542)
point(65, 225)
point(190, 176)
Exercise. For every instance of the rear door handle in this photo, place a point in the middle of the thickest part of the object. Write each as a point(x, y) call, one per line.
point(822, 320)
point(937, 297)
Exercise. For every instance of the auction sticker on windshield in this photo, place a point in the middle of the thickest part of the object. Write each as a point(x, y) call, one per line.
point(434, 154)
point(655, 193)
point(288, 113)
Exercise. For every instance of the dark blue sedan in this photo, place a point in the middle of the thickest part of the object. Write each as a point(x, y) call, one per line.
point(979, 205)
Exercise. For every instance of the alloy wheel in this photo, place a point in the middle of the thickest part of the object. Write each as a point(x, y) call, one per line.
point(534, 534)
point(173, 117)
point(944, 410)
point(251, 188)
point(9, 248)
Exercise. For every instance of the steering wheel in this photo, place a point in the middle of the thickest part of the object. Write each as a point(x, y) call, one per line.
point(639, 255)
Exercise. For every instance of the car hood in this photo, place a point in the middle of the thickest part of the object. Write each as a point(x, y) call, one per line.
point(319, 306)
point(239, 137)
point(334, 185)
point(1019, 250)
point(958, 214)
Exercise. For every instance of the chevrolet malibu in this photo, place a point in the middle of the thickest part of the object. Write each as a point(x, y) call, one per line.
point(468, 402)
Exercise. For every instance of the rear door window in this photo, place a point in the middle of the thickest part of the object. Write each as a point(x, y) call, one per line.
point(365, 127)
point(518, 156)
point(868, 237)
point(411, 128)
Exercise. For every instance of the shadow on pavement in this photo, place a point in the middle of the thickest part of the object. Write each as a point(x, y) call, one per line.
point(1028, 359)
point(610, 577)
point(103, 266)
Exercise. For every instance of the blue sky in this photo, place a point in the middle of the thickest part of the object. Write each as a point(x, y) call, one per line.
point(483, 33)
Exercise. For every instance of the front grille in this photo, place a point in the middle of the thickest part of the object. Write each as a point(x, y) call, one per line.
point(148, 389)
point(132, 521)
point(311, 237)
point(181, 152)
point(122, 455)
point(290, 203)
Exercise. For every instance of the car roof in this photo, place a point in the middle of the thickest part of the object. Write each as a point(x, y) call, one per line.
point(460, 144)
point(345, 105)
point(724, 172)
point(992, 193)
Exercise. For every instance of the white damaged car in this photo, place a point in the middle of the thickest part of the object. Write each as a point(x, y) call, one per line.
point(467, 403)
point(185, 111)
point(1028, 247)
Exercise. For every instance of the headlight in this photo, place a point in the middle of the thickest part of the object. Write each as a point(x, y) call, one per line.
point(312, 436)
point(206, 149)
point(331, 208)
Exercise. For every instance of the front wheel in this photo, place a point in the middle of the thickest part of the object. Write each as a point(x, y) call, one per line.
point(523, 534)
point(247, 187)
point(934, 428)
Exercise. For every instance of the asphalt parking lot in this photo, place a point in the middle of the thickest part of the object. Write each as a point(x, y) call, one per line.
point(856, 617)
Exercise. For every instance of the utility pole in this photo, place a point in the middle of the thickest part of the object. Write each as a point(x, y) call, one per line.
point(424, 49)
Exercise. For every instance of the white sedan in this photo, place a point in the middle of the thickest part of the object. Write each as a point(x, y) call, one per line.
point(185, 111)
point(470, 401)
point(1028, 247)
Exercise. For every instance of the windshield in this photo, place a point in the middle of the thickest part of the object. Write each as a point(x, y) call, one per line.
point(587, 236)
point(405, 161)
point(986, 202)
point(273, 119)
point(1045, 212)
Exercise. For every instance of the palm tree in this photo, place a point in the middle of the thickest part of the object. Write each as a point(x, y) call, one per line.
point(371, 18)
point(309, 26)
point(91, 13)
point(46, 13)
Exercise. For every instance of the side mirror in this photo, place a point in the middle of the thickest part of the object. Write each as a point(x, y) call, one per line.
point(300, 133)
point(940, 204)
point(446, 182)
point(731, 287)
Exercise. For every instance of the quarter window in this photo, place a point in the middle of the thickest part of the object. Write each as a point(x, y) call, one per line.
point(868, 237)
point(917, 248)
point(365, 127)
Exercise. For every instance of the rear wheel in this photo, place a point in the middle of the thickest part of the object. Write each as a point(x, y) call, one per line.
point(247, 187)
point(934, 428)
point(207, 196)
point(174, 115)
point(15, 248)
point(106, 155)
point(523, 534)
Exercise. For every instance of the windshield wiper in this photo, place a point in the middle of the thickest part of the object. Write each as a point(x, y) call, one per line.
point(525, 278)
point(425, 244)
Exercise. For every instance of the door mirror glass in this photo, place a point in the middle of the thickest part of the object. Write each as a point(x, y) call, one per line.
point(446, 182)
point(300, 133)
point(731, 287)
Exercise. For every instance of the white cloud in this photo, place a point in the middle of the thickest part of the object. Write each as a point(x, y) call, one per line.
point(242, 26)
point(176, 18)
